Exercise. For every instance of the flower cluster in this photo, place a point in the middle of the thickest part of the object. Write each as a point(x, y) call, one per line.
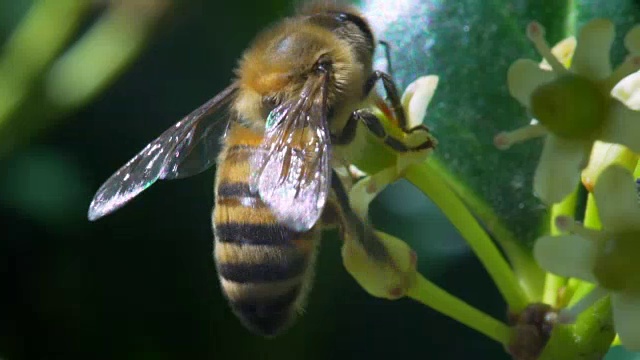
point(589, 115)
point(606, 257)
point(573, 107)
point(591, 123)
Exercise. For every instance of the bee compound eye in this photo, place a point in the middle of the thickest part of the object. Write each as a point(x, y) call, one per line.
point(324, 63)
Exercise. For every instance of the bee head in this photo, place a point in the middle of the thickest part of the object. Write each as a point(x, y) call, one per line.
point(348, 24)
point(335, 41)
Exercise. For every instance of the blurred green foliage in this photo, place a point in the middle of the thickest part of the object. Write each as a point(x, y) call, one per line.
point(141, 284)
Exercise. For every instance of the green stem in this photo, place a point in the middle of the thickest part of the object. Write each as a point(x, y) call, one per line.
point(428, 180)
point(554, 282)
point(581, 291)
point(616, 341)
point(435, 297)
point(589, 338)
point(571, 18)
point(529, 273)
point(572, 287)
point(34, 44)
point(591, 220)
point(591, 216)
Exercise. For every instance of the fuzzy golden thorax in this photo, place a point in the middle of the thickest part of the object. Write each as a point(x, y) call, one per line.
point(282, 58)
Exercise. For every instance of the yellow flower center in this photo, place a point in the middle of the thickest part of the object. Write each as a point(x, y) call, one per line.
point(571, 106)
point(617, 265)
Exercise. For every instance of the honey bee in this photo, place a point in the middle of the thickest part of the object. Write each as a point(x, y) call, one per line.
point(300, 91)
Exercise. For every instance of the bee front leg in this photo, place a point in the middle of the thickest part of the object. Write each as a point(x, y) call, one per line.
point(392, 94)
point(412, 148)
point(420, 138)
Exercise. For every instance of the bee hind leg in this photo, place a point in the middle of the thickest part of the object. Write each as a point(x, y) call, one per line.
point(384, 266)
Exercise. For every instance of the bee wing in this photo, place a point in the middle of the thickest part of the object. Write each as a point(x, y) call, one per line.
point(187, 148)
point(291, 173)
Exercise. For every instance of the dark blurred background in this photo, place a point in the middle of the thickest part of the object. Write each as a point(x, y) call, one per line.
point(141, 283)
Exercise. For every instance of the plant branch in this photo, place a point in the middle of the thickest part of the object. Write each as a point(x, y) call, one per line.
point(435, 297)
point(426, 178)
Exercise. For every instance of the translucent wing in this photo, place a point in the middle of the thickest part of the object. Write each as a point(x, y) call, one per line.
point(292, 172)
point(197, 152)
point(187, 148)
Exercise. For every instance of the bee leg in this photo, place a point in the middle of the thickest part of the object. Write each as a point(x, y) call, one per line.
point(374, 125)
point(372, 122)
point(330, 218)
point(352, 227)
point(348, 132)
point(411, 149)
point(384, 266)
point(387, 55)
point(392, 95)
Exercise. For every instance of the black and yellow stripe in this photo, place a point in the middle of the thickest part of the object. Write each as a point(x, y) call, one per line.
point(264, 267)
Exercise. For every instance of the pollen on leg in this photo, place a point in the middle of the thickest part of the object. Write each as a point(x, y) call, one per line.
point(535, 33)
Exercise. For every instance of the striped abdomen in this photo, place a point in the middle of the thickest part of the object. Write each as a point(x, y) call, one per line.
point(265, 269)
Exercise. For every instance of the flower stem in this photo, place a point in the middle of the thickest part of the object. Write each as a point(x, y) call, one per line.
point(572, 287)
point(553, 282)
point(581, 291)
point(528, 272)
point(592, 221)
point(426, 178)
point(616, 341)
point(435, 297)
point(571, 18)
point(591, 216)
